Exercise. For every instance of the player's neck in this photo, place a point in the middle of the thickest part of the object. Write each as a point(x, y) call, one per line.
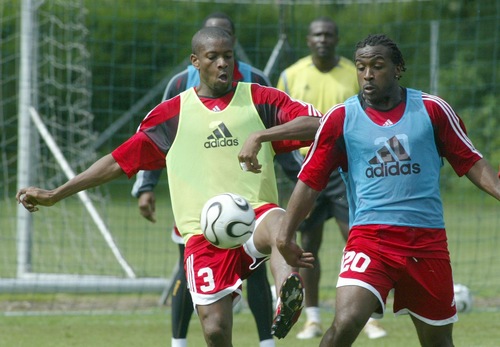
point(325, 64)
point(214, 93)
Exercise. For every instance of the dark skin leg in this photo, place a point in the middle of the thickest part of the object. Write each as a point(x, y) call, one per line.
point(433, 336)
point(353, 307)
point(311, 242)
point(217, 322)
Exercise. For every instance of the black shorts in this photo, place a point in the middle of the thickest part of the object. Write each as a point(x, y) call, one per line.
point(331, 203)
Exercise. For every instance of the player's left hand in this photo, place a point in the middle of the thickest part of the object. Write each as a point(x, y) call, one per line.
point(248, 155)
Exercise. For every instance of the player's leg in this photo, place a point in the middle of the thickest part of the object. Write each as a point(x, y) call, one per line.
point(311, 238)
point(311, 232)
point(289, 285)
point(311, 241)
point(217, 324)
point(215, 278)
point(182, 305)
point(364, 281)
point(426, 293)
point(353, 306)
point(372, 329)
point(430, 335)
point(260, 301)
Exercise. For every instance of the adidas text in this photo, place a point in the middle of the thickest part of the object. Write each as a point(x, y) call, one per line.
point(396, 169)
point(224, 142)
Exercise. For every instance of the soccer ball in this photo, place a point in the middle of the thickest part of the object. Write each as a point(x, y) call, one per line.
point(463, 298)
point(227, 220)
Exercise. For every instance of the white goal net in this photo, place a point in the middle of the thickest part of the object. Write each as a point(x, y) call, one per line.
point(69, 247)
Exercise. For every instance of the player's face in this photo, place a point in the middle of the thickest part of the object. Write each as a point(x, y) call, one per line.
point(377, 76)
point(322, 39)
point(215, 61)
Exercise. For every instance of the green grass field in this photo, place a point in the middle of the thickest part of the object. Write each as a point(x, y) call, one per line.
point(474, 329)
point(53, 319)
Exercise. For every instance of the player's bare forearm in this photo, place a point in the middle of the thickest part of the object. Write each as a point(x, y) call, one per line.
point(300, 128)
point(299, 206)
point(102, 171)
point(483, 176)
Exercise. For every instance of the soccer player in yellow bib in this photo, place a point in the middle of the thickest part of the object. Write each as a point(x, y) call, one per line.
point(323, 79)
point(205, 137)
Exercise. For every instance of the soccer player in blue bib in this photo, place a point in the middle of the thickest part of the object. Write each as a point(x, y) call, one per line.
point(388, 142)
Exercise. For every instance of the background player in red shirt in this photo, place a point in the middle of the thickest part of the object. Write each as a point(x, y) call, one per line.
point(389, 142)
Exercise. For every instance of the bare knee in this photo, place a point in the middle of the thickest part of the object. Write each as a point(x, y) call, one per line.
point(217, 322)
point(216, 332)
point(440, 340)
point(349, 323)
point(345, 329)
point(433, 336)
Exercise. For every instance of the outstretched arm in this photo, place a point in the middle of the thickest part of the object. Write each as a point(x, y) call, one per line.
point(102, 171)
point(299, 206)
point(301, 128)
point(483, 176)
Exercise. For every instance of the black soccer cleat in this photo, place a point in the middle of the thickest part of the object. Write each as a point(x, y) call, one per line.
point(289, 307)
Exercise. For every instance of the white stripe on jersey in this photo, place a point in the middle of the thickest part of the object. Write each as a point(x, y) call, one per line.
point(453, 119)
point(316, 137)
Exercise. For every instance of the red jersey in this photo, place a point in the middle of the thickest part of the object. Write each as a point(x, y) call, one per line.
point(146, 150)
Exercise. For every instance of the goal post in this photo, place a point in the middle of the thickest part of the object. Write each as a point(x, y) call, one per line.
point(24, 168)
point(33, 158)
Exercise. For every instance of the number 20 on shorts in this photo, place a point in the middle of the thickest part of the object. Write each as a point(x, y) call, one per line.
point(353, 261)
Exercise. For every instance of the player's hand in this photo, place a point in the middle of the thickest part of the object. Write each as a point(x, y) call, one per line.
point(248, 155)
point(31, 197)
point(147, 206)
point(294, 255)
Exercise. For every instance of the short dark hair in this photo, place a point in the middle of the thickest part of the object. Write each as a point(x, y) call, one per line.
point(384, 40)
point(220, 15)
point(326, 19)
point(207, 33)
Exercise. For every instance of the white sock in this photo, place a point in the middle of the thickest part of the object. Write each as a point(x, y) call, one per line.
point(267, 343)
point(313, 314)
point(179, 342)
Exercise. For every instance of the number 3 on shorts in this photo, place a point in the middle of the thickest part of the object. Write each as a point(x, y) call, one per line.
point(355, 261)
point(208, 278)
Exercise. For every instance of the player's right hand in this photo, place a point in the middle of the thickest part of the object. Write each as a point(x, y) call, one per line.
point(31, 197)
point(147, 206)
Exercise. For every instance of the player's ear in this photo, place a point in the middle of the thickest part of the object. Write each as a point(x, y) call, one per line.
point(399, 72)
point(195, 61)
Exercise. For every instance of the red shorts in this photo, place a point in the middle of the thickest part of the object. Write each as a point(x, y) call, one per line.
point(213, 273)
point(423, 287)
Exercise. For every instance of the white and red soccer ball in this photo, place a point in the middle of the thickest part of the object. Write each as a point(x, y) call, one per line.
point(227, 220)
